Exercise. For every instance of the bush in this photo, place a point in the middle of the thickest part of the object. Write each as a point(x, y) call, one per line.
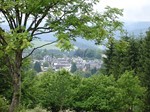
point(3, 104)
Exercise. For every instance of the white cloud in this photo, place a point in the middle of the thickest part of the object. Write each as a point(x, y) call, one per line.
point(134, 10)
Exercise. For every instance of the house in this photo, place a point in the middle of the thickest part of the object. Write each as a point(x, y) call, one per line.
point(61, 63)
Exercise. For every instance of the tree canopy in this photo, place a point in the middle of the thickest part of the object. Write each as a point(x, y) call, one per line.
point(68, 19)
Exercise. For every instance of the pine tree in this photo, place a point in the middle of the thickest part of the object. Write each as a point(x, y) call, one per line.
point(133, 54)
point(144, 66)
point(73, 67)
point(37, 66)
point(122, 56)
point(108, 60)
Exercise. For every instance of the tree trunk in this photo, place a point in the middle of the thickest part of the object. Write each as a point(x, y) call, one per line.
point(16, 78)
point(16, 92)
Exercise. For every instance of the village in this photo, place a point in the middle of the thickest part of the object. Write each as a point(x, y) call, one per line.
point(54, 63)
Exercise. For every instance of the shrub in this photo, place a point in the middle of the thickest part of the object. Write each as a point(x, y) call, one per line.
point(3, 104)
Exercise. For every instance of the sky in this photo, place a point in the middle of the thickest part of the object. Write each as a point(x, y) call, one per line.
point(134, 10)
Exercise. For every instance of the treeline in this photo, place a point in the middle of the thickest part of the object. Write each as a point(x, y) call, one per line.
point(55, 91)
point(83, 53)
point(88, 53)
point(130, 54)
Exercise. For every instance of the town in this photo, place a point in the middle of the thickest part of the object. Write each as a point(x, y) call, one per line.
point(54, 63)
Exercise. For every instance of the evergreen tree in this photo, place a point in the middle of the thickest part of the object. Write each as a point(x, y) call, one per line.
point(144, 65)
point(108, 60)
point(122, 55)
point(135, 57)
point(73, 67)
point(116, 62)
point(37, 66)
point(94, 70)
point(133, 54)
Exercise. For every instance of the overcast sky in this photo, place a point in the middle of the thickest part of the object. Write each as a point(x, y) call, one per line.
point(134, 10)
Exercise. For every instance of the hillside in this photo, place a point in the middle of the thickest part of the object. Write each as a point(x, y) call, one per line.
point(131, 27)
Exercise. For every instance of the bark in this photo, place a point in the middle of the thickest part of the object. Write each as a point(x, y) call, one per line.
point(16, 93)
point(16, 77)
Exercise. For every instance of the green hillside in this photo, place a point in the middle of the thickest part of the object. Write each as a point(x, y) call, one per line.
point(37, 43)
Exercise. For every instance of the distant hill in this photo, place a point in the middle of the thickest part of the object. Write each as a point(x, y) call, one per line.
point(132, 28)
point(79, 43)
point(136, 27)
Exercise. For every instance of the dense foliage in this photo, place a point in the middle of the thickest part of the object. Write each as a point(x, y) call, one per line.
point(3, 104)
point(134, 57)
point(124, 88)
point(68, 19)
point(62, 90)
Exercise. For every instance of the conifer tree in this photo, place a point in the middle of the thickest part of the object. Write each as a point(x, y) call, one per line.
point(108, 60)
point(144, 66)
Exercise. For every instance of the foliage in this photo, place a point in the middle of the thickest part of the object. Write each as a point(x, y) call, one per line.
point(143, 66)
point(132, 92)
point(93, 71)
point(58, 90)
point(5, 79)
point(135, 57)
point(5, 83)
point(37, 66)
point(88, 53)
point(121, 57)
point(61, 90)
point(73, 67)
point(3, 104)
point(68, 19)
point(103, 93)
point(45, 64)
point(28, 89)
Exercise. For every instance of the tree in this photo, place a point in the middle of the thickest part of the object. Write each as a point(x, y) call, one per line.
point(37, 66)
point(108, 60)
point(133, 54)
point(59, 90)
point(132, 92)
point(28, 89)
point(73, 67)
point(79, 52)
point(106, 94)
point(144, 65)
point(94, 70)
point(45, 64)
point(98, 54)
point(68, 19)
point(89, 53)
point(122, 55)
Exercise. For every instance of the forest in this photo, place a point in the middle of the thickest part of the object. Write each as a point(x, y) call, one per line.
point(120, 85)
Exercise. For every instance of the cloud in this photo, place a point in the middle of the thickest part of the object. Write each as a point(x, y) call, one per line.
point(134, 10)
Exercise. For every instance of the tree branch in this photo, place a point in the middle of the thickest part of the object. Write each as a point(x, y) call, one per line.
point(7, 19)
point(25, 20)
point(38, 48)
point(42, 32)
point(12, 20)
point(33, 22)
point(42, 17)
